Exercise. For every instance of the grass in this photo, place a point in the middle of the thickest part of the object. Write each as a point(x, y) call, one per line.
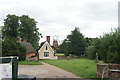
point(29, 63)
point(84, 68)
point(59, 54)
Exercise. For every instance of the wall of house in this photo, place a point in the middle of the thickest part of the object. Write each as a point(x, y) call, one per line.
point(28, 55)
point(43, 49)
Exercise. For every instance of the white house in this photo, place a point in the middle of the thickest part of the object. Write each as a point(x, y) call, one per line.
point(46, 51)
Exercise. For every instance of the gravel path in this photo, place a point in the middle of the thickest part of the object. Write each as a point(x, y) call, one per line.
point(44, 71)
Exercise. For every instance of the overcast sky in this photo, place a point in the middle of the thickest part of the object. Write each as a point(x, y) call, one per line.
point(56, 18)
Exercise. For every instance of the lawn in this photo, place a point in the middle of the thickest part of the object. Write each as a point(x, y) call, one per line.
point(29, 63)
point(59, 54)
point(84, 68)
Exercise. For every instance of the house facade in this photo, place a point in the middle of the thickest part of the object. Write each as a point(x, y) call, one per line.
point(46, 51)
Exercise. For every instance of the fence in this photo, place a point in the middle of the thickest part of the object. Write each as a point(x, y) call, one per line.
point(108, 70)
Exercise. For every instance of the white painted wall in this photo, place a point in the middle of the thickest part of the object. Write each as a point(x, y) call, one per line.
point(43, 49)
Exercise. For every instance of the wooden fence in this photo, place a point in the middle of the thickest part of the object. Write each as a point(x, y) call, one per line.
point(108, 70)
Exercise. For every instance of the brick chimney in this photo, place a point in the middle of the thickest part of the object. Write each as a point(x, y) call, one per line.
point(48, 39)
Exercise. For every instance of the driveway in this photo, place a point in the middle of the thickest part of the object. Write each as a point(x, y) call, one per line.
point(44, 71)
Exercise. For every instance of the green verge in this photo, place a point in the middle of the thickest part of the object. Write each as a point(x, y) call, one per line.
point(29, 63)
point(84, 68)
point(59, 54)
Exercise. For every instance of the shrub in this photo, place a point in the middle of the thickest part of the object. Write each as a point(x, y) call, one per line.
point(12, 48)
point(107, 47)
point(90, 52)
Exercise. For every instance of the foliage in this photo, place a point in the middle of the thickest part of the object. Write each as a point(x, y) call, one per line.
point(12, 48)
point(90, 41)
point(62, 47)
point(107, 47)
point(28, 30)
point(29, 63)
point(84, 68)
point(10, 27)
point(90, 51)
point(76, 44)
point(21, 27)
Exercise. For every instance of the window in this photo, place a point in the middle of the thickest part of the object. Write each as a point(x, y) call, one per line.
point(46, 54)
point(46, 47)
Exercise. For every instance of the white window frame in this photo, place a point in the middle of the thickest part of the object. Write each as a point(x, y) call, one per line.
point(45, 56)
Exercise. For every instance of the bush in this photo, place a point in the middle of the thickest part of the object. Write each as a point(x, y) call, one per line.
point(91, 54)
point(12, 48)
point(107, 47)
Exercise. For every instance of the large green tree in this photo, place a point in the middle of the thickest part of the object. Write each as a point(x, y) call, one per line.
point(76, 43)
point(28, 30)
point(21, 27)
point(10, 28)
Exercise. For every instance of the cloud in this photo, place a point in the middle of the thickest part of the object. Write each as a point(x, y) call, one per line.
point(59, 17)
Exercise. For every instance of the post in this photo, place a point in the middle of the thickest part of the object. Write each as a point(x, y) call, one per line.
point(97, 60)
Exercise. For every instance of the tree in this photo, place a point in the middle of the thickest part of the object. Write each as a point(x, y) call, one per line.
point(62, 48)
point(12, 48)
point(18, 27)
point(77, 43)
point(21, 27)
point(10, 28)
point(28, 30)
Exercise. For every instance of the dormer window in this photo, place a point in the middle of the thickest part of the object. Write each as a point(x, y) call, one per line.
point(46, 48)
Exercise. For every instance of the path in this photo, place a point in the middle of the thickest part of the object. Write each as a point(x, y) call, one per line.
point(44, 71)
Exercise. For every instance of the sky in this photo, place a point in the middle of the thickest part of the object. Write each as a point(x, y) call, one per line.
point(57, 18)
